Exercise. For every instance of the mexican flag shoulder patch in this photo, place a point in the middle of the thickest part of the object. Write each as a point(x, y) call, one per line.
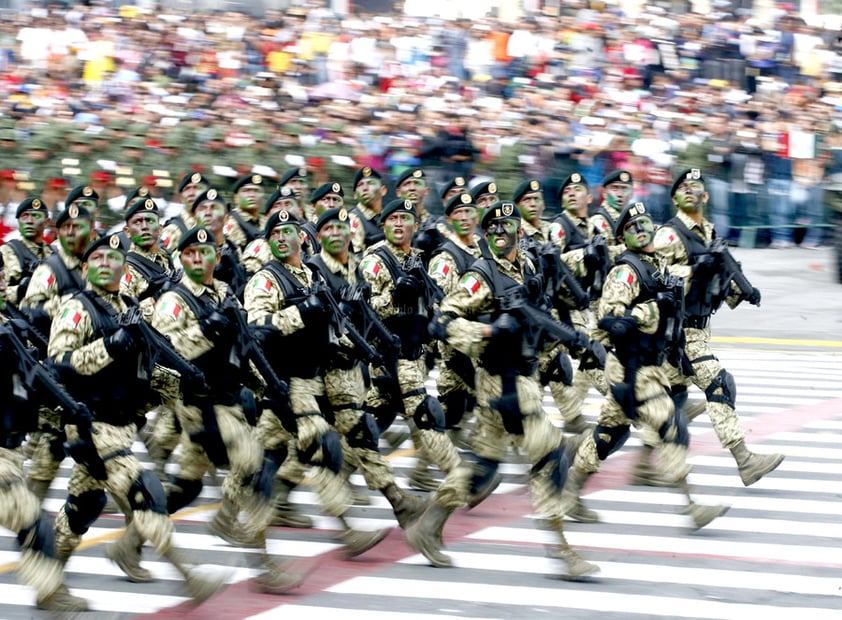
point(470, 283)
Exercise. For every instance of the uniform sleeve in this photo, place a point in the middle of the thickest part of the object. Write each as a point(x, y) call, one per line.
point(263, 298)
point(470, 298)
point(255, 255)
point(13, 273)
point(174, 319)
point(70, 342)
point(444, 272)
point(357, 233)
point(672, 255)
point(170, 237)
point(233, 232)
point(375, 273)
point(618, 294)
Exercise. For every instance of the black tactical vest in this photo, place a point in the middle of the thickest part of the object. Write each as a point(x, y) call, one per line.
point(157, 277)
point(373, 234)
point(701, 299)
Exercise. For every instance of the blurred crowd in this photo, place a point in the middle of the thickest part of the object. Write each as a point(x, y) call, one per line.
point(120, 97)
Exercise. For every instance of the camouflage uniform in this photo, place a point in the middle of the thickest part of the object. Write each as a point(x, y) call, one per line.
point(21, 256)
point(175, 228)
point(365, 230)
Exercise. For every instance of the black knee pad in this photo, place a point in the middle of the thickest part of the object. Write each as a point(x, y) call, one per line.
point(429, 415)
point(560, 370)
point(365, 433)
point(39, 537)
point(385, 415)
point(454, 404)
point(609, 439)
point(680, 426)
point(726, 385)
point(181, 493)
point(331, 446)
point(83, 509)
point(272, 461)
point(679, 396)
point(146, 493)
point(558, 463)
point(484, 470)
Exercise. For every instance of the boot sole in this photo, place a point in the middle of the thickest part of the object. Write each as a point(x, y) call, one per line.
point(435, 557)
point(131, 574)
point(372, 542)
point(582, 575)
point(751, 480)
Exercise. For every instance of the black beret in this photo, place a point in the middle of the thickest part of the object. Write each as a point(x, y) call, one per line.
point(500, 211)
point(31, 203)
point(292, 173)
point(486, 187)
point(114, 242)
point(573, 179)
point(281, 192)
point(146, 205)
point(81, 192)
point(209, 195)
point(526, 187)
point(690, 174)
point(410, 173)
point(249, 179)
point(278, 218)
point(459, 200)
point(324, 189)
point(340, 215)
point(398, 204)
point(138, 192)
point(73, 212)
point(192, 178)
point(618, 176)
point(454, 182)
point(196, 236)
point(365, 173)
point(629, 214)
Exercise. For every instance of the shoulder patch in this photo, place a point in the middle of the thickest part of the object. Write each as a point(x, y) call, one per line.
point(440, 267)
point(169, 308)
point(261, 282)
point(470, 283)
point(370, 267)
point(44, 276)
point(664, 236)
point(127, 278)
point(624, 275)
point(70, 318)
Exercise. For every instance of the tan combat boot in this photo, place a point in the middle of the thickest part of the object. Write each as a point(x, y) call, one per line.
point(575, 568)
point(199, 588)
point(577, 425)
point(280, 578)
point(754, 466)
point(286, 514)
point(647, 475)
point(424, 535)
point(126, 552)
point(227, 526)
point(357, 542)
point(571, 501)
point(62, 600)
point(407, 508)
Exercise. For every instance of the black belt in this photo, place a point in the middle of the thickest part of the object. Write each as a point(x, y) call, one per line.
point(696, 322)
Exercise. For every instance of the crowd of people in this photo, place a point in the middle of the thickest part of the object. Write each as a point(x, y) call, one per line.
point(134, 96)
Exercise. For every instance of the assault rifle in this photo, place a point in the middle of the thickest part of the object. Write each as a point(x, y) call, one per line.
point(670, 300)
point(598, 263)
point(558, 279)
point(732, 271)
point(38, 378)
point(344, 327)
point(431, 293)
point(27, 330)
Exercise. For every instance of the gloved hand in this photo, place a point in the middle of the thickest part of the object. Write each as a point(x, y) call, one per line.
point(312, 310)
point(215, 325)
point(705, 265)
point(666, 302)
point(579, 343)
point(407, 290)
point(593, 356)
point(505, 325)
point(754, 297)
point(592, 260)
point(119, 344)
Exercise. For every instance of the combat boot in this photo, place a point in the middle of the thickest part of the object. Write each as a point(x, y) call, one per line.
point(645, 474)
point(576, 568)
point(577, 425)
point(702, 515)
point(126, 552)
point(422, 478)
point(571, 502)
point(286, 514)
point(278, 578)
point(407, 508)
point(424, 535)
point(357, 542)
point(754, 466)
point(226, 525)
point(62, 600)
point(199, 588)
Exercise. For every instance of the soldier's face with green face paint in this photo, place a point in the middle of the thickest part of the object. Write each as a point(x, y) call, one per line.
point(144, 229)
point(617, 194)
point(75, 235)
point(211, 214)
point(502, 237)
point(690, 196)
point(285, 242)
point(463, 220)
point(199, 261)
point(191, 191)
point(576, 198)
point(399, 228)
point(250, 198)
point(104, 268)
point(639, 233)
point(31, 224)
point(335, 237)
point(368, 190)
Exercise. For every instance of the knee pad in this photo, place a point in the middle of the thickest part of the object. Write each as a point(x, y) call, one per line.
point(146, 493)
point(727, 386)
point(679, 396)
point(272, 460)
point(557, 463)
point(676, 430)
point(385, 415)
point(455, 404)
point(484, 470)
point(429, 415)
point(609, 439)
point(39, 537)
point(560, 370)
point(182, 493)
point(331, 446)
point(83, 509)
point(249, 404)
point(365, 434)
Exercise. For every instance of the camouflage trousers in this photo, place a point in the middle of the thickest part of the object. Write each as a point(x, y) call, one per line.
point(20, 510)
point(345, 390)
point(491, 440)
point(113, 444)
point(706, 366)
point(434, 445)
point(304, 395)
point(654, 413)
point(48, 452)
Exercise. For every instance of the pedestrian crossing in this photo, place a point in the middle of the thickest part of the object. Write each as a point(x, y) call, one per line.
point(778, 550)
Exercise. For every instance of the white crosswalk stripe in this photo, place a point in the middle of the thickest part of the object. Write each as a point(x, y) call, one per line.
point(777, 551)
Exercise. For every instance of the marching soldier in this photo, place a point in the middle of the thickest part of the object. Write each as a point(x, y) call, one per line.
point(365, 224)
point(326, 196)
point(20, 509)
point(258, 252)
point(100, 361)
point(475, 320)
point(244, 223)
point(634, 314)
point(281, 302)
point(210, 211)
point(296, 179)
point(22, 255)
point(617, 191)
point(189, 187)
point(684, 245)
point(403, 301)
point(529, 199)
point(484, 195)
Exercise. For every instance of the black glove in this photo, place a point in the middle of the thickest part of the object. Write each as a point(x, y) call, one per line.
point(579, 343)
point(312, 310)
point(594, 356)
point(592, 260)
point(705, 265)
point(215, 325)
point(119, 344)
point(666, 302)
point(753, 297)
point(505, 325)
point(407, 290)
